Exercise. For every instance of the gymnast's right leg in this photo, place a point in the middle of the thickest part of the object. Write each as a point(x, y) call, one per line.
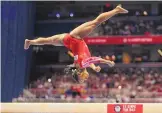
point(56, 40)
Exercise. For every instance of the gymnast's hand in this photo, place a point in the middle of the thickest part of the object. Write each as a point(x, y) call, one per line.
point(97, 68)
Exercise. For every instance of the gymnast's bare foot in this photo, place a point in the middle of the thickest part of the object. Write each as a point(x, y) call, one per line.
point(120, 9)
point(27, 44)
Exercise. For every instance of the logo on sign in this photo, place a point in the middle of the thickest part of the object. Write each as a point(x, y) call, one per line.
point(117, 108)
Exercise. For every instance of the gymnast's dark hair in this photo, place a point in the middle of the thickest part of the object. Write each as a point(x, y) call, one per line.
point(72, 71)
point(69, 70)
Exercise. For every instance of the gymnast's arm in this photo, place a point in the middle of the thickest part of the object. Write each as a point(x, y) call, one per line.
point(100, 60)
point(71, 54)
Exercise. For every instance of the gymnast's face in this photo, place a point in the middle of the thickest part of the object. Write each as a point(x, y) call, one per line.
point(83, 75)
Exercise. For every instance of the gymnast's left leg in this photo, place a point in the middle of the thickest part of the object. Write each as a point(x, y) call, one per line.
point(86, 28)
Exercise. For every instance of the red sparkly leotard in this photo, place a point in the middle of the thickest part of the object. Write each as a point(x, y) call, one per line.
point(79, 48)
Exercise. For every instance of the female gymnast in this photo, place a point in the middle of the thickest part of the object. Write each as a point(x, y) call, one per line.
point(79, 49)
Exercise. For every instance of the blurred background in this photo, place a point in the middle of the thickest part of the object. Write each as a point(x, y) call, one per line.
point(37, 75)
